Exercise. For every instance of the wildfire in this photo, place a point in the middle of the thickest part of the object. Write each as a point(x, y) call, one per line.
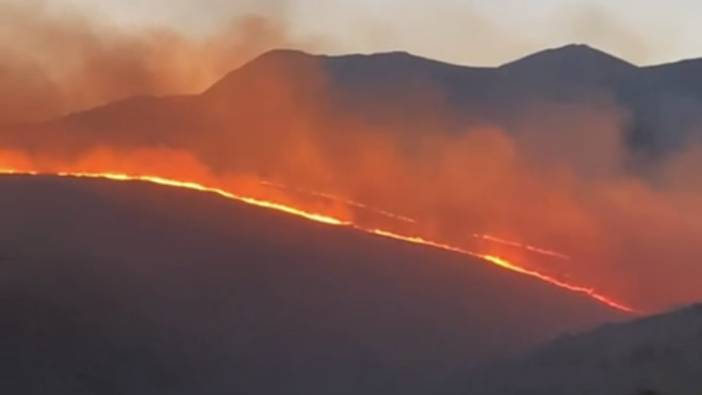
point(333, 221)
point(349, 202)
point(526, 247)
point(505, 264)
point(199, 187)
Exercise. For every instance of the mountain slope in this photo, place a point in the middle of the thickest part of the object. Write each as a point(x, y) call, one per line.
point(132, 288)
point(660, 354)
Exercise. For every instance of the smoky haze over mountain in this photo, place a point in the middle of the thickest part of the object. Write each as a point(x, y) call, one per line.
point(58, 60)
point(572, 148)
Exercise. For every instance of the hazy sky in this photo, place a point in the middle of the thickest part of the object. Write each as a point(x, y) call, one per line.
point(479, 32)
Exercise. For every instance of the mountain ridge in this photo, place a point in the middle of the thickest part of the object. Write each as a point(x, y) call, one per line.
point(285, 54)
point(582, 49)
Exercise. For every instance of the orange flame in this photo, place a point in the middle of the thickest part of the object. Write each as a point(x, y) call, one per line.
point(526, 247)
point(505, 264)
point(201, 188)
point(349, 202)
point(329, 220)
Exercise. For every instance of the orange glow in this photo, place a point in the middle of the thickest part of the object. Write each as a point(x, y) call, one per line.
point(591, 292)
point(11, 172)
point(527, 247)
point(330, 220)
point(349, 202)
point(505, 264)
point(201, 188)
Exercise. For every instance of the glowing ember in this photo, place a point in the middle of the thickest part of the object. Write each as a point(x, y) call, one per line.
point(329, 220)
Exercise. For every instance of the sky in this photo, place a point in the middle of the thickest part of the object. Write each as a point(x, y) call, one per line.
point(474, 32)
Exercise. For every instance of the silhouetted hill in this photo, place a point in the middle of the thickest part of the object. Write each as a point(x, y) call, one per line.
point(132, 288)
point(576, 62)
point(655, 355)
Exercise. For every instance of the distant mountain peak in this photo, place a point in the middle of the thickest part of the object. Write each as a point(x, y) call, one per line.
point(293, 62)
point(279, 53)
point(578, 58)
point(273, 62)
point(280, 58)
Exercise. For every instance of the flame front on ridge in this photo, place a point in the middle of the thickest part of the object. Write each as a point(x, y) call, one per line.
point(333, 221)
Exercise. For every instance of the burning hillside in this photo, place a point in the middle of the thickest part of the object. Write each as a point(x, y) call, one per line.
point(564, 178)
